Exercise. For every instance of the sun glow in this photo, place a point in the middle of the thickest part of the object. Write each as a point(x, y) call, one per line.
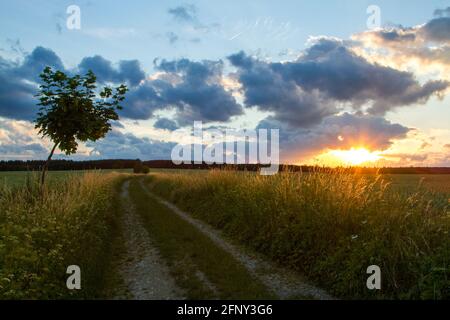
point(355, 156)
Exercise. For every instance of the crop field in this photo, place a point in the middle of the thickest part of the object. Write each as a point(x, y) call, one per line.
point(330, 227)
point(20, 178)
point(322, 229)
point(406, 182)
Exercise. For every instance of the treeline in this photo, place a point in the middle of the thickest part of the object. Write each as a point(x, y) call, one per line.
point(295, 168)
point(33, 165)
point(61, 165)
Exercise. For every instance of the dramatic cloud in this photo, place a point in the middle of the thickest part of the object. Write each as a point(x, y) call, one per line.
point(198, 93)
point(305, 91)
point(267, 88)
point(335, 132)
point(128, 71)
point(429, 44)
point(437, 30)
point(16, 96)
point(18, 83)
point(333, 95)
point(142, 101)
point(35, 62)
point(193, 89)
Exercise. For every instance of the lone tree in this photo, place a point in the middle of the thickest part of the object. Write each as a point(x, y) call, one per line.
point(71, 110)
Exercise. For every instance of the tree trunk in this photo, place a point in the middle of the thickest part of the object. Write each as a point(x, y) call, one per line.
point(45, 167)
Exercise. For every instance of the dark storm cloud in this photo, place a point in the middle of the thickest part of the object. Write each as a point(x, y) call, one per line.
point(16, 97)
point(165, 123)
point(18, 83)
point(141, 102)
point(117, 145)
point(37, 60)
point(326, 74)
point(199, 95)
point(268, 89)
point(128, 71)
point(437, 29)
point(336, 132)
point(346, 77)
point(192, 89)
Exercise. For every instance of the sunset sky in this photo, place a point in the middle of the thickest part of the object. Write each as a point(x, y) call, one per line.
point(339, 92)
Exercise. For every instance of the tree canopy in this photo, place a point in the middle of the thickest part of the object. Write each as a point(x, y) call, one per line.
point(71, 108)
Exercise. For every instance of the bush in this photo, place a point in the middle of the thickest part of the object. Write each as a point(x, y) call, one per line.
point(329, 226)
point(138, 167)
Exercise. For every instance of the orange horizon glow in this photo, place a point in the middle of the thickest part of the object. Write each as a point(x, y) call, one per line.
point(350, 157)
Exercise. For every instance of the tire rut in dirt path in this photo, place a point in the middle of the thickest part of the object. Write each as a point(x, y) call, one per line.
point(283, 282)
point(143, 275)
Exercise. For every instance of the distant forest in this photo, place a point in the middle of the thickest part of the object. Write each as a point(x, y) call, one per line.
point(33, 165)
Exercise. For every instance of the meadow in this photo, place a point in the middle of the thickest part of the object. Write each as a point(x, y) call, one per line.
point(326, 226)
point(20, 178)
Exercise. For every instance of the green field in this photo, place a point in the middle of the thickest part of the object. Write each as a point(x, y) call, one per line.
point(406, 182)
point(409, 182)
point(19, 178)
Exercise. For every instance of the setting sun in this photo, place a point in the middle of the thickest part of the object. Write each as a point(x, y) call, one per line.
point(355, 156)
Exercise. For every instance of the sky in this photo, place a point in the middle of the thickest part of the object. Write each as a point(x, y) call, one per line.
point(344, 84)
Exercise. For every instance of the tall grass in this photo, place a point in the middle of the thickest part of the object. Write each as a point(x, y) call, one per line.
point(330, 226)
point(40, 235)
